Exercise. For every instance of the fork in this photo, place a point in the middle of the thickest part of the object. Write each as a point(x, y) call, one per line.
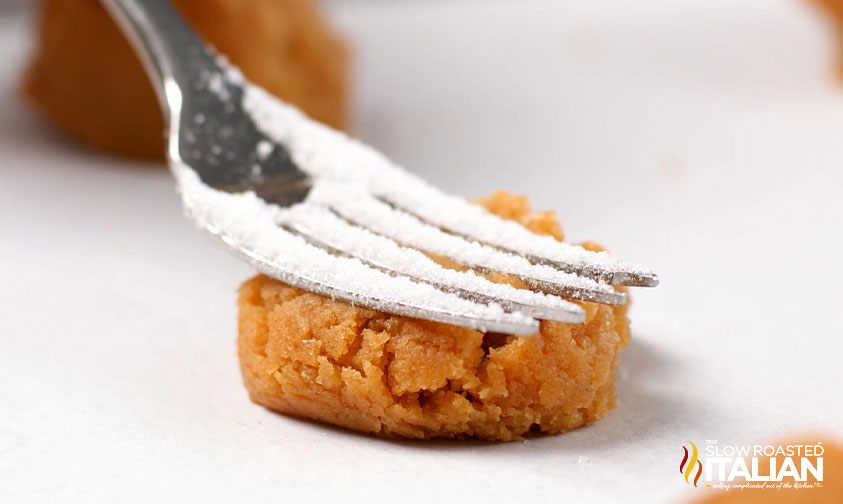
point(325, 213)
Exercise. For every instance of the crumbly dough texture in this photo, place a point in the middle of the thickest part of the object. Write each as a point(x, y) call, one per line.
point(86, 79)
point(310, 356)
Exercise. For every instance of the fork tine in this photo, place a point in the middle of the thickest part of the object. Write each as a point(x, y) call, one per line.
point(323, 228)
point(247, 225)
point(506, 322)
point(459, 217)
point(381, 218)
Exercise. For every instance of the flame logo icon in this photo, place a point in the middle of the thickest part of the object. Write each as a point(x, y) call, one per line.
point(687, 466)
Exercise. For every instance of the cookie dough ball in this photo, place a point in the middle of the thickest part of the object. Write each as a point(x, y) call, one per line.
point(834, 8)
point(309, 356)
point(87, 80)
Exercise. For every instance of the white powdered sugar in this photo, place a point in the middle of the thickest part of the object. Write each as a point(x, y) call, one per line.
point(263, 149)
point(461, 217)
point(326, 153)
point(368, 211)
point(247, 223)
point(216, 85)
point(335, 232)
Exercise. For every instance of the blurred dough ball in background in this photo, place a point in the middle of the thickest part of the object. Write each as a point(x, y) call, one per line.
point(835, 9)
point(86, 79)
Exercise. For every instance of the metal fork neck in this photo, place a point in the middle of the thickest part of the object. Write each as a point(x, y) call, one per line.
point(169, 50)
point(207, 127)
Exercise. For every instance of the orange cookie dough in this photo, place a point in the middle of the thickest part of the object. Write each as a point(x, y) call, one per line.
point(313, 357)
point(87, 80)
point(835, 9)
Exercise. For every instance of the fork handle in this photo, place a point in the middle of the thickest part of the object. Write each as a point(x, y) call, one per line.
point(170, 51)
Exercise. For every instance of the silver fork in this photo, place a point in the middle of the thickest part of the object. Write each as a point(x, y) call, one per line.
point(325, 213)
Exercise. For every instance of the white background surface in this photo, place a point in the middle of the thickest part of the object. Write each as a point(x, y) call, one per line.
point(700, 137)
